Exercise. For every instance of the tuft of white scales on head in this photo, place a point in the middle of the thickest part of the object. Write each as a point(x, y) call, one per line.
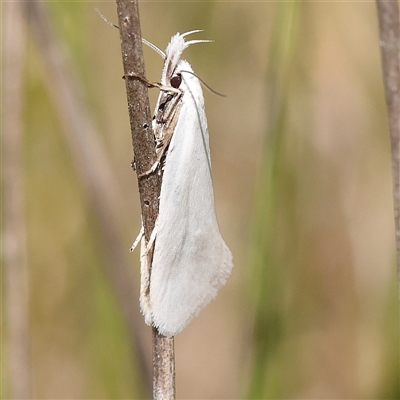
point(174, 51)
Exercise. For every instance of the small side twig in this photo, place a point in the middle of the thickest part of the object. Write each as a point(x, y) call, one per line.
point(389, 34)
point(144, 158)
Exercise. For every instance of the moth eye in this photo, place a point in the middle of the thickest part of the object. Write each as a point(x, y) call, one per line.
point(176, 81)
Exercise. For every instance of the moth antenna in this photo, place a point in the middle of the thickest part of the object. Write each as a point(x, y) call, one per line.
point(154, 47)
point(146, 42)
point(105, 19)
point(205, 84)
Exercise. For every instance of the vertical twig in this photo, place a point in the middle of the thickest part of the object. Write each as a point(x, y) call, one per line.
point(164, 367)
point(144, 157)
point(389, 34)
point(14, 235)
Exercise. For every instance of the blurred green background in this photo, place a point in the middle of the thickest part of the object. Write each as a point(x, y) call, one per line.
point(302, 178)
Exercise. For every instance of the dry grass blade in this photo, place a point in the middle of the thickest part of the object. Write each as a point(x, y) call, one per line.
point(14, 229)
point(389, 33)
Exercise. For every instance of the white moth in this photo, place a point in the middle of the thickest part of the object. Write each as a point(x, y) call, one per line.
point(190, 260)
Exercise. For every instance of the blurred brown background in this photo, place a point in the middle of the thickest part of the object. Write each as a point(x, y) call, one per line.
point(302, 179)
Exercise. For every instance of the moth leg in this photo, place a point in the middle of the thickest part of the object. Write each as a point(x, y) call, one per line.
point(132, 75)
point(170, 115)
point(151, 170)
point(152, 238)
point(138, 239)
point(150, 242)
point(145, 305)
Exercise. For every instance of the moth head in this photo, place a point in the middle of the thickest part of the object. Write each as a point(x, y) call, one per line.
point(174, 66)
point(173, 55)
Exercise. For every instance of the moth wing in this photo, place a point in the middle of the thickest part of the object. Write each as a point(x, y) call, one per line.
point(191, 260)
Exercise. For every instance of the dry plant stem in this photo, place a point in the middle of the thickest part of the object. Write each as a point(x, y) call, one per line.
point(164, 367)
point(389, 33)
point(93, 168)
point(14, 234)
point(144, 158)
point(139, 112)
